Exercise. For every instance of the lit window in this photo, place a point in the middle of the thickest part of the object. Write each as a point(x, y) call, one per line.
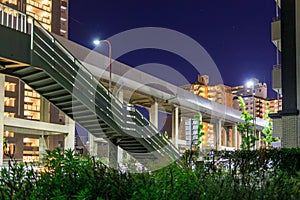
point(8, 134)
point(10, 87)
point(9, 101)
point(9, 114)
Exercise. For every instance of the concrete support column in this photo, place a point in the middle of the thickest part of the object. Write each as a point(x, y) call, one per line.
point(2, 95)
point(45, 108)
point(112, 155)
point(43, 146)
point(92, 145)
point(218, 129)
point(290, 124)
point(70, 137)
point(258, 142)
point(225, 137)
point(119, 149)
point(154, 114)
point(234, 136)
point(175, 126)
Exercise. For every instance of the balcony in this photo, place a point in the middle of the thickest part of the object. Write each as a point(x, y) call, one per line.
point(279, 3)
point(276, 32)
point(276, 78)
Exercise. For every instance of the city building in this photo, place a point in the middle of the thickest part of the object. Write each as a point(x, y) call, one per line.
point(52, 14)
point(285, 35)
point(254, 96)
point(218, 93)
point(28, 123)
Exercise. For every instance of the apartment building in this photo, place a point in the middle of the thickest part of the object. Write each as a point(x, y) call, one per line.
point(52, 14)
point(285, 35)
point(29, 124)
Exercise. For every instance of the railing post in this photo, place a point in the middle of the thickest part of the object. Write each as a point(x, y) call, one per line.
point(2, 16)
point(31, 34)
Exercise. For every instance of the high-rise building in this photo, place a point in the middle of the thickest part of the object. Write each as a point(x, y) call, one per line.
point(218, 93)
point(29, 124)
point(52, 14)
point(254, 96)
point(286, 79)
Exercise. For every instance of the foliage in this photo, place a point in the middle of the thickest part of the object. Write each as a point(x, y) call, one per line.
point(268, 130)
point(260, 174)
point(246, 128)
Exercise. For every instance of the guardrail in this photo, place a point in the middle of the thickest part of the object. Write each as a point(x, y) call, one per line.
point(19, 21)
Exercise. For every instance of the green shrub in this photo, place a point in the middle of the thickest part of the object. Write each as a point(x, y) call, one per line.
point(261, 174)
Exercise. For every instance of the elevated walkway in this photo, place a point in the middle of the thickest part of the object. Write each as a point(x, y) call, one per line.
point(32, 54)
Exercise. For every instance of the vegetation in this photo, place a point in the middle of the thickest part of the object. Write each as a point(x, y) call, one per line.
point(246, 128)
point(260, 174)
point(268, 130)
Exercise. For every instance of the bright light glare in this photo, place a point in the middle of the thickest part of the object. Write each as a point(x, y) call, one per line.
point(250, 83)
point(96, 42)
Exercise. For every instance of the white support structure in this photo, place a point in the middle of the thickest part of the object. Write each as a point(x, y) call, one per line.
point(70, 136)
point(120, 96)
point(45, 110)
point(2, 94)
point(175, 126)
point(43, 146)
point(92, 145)
point(154, 114)
point(235, 136)
point(218, 130)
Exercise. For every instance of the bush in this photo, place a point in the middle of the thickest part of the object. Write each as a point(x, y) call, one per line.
point(261, 174)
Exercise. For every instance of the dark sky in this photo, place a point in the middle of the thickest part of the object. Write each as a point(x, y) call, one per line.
point(236, 33)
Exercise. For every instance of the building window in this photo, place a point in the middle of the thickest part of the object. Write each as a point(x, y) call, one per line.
point(9, 114)
point(10, 2)
point(31, 149)
point(8, 134)
point(10, 87)
point(32, 104)
point(9, 101)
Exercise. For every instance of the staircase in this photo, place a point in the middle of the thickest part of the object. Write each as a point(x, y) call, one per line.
point(46, 66)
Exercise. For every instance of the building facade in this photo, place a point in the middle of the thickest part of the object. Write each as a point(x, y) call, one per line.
point(28, 123)
point(286, 80)
point(52, 14)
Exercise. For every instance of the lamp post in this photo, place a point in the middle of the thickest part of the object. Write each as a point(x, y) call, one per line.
point(97, 42)
point(251, 84)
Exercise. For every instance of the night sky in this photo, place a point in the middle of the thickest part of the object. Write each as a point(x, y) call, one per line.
point(236, 33)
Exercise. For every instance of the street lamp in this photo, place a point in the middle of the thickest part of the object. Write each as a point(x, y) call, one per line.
point(251, 84)
point(98, 42)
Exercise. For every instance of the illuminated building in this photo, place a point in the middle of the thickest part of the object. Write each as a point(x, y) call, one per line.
point(30, 124)
point(52, 14)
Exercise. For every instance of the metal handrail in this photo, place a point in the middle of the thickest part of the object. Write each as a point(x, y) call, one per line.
point(27, 24)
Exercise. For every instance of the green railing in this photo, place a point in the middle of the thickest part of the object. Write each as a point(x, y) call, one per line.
point(82, 85)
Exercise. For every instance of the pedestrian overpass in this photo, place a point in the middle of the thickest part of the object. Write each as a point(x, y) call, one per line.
point(33, 55)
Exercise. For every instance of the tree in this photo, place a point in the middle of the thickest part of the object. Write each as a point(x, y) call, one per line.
point(200, 128)
point(268, 130)
point(246, 128)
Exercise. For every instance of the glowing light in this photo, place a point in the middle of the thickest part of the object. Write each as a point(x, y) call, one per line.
point(97, 42)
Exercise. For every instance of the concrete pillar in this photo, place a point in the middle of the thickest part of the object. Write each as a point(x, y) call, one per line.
point(112, 155)
point(175, 126)
point(70, 137)
point(43, 146)
point(44, 111)
point(92, 145)
point(119, 149)
point(290, 124)
point(258, 142)
point(2, 94)
point(218, 132)
point(290, 72)
point(154, 114)
point(234, 136)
